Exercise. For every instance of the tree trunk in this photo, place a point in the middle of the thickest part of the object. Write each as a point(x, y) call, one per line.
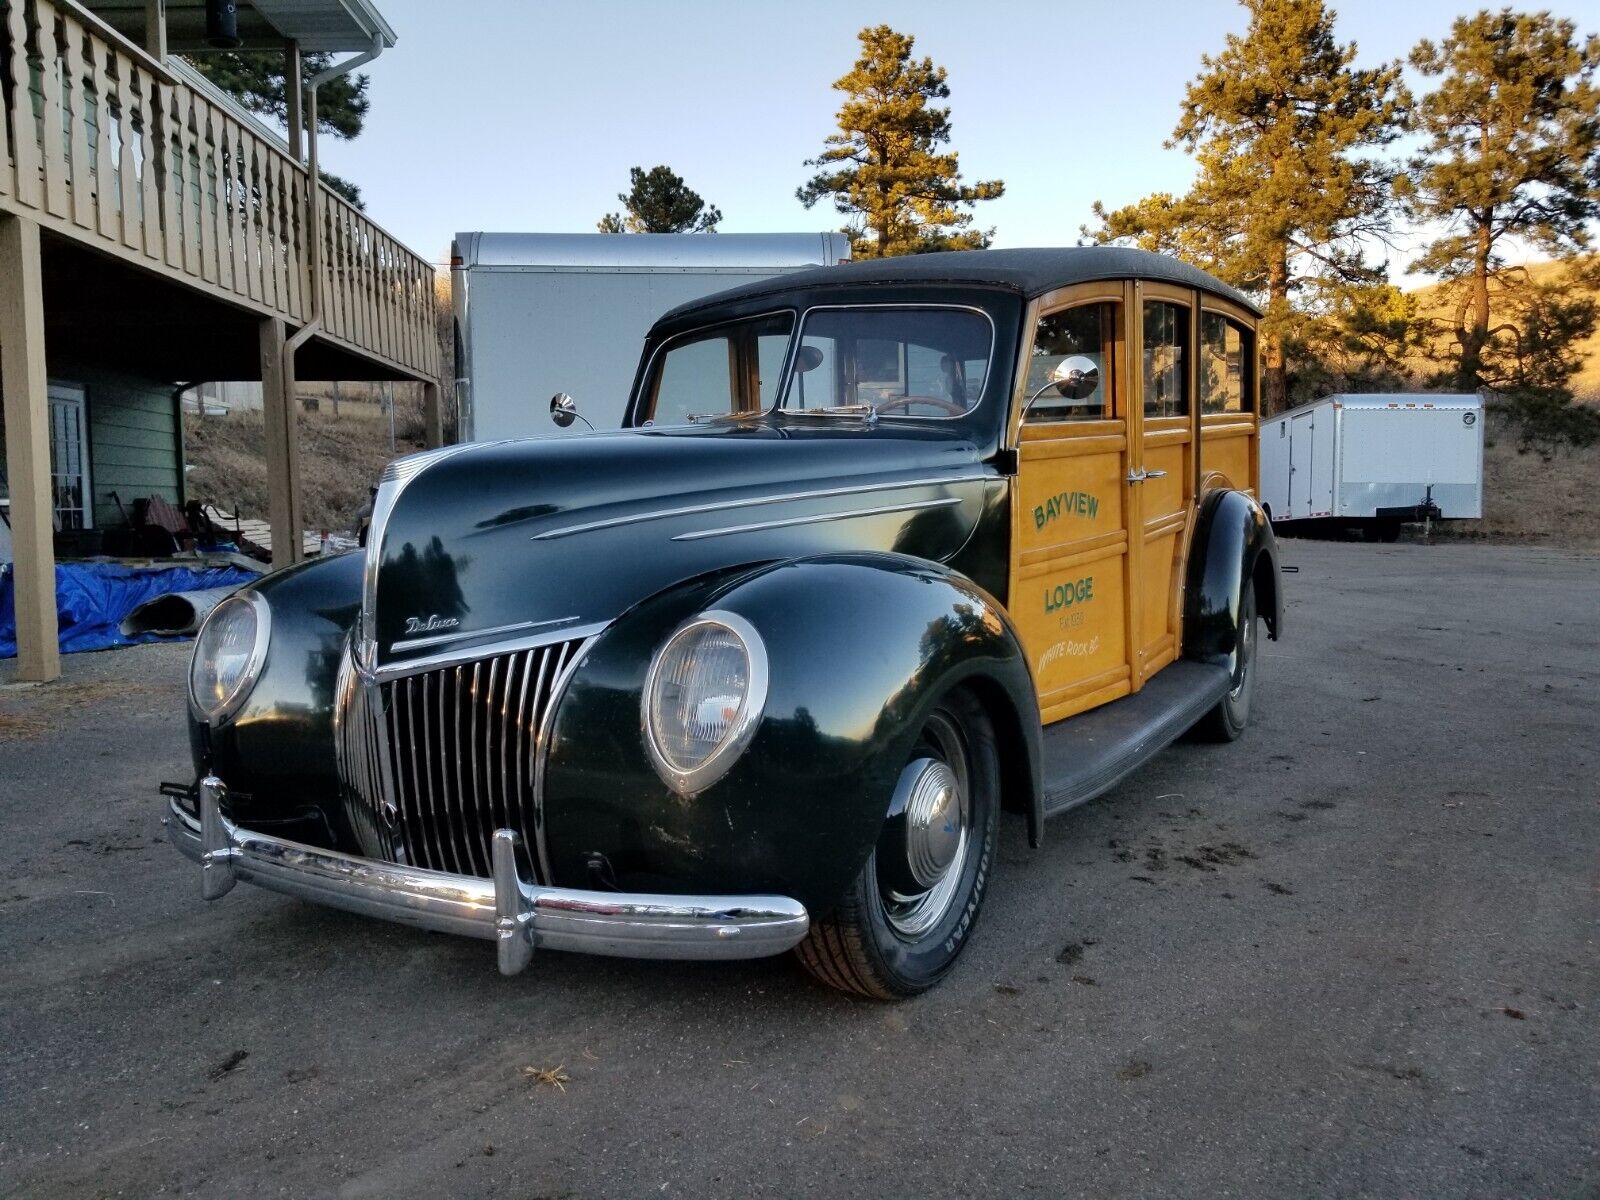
point(1473, 338)
point(1275, 371)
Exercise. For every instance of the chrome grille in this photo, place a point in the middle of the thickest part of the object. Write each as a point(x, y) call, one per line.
point(433, 763)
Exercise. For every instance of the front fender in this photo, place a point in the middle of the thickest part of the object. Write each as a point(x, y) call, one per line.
point(1233, 545)
point(276, 752)
point(859, 648)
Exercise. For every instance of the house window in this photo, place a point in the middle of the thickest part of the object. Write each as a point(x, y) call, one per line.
point(69, 458)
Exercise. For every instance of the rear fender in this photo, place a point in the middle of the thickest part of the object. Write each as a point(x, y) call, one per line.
point(1233, 546)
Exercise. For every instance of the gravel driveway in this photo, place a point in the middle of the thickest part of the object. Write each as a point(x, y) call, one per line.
point(1358, 952)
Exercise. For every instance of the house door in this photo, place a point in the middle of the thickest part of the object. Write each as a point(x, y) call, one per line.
point(1071, 571)
point(1302, 430)
point(69, 458)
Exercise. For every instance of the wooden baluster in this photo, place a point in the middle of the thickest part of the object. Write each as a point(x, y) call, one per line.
point(237, 202)
point(127, 170)
point(56, 198)
point(293, 242)
point(105, 181)
point(363, 233)
point(172, 104)
point(153, 174)
point(386, 291)
point(8, 178)
point(287, 179)
point(24, 131)
point(194, 183)
point(205, 176)
point(280, 246)
point(217, 218)
point(252, 216)
point(74, 78)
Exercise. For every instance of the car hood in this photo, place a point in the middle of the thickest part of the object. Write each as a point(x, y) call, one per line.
point(477, 547)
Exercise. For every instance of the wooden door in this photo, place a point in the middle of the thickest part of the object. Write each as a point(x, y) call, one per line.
point(1161, 492)
point(1070, 593)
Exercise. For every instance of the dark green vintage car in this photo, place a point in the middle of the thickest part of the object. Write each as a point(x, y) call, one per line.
point(886, 548)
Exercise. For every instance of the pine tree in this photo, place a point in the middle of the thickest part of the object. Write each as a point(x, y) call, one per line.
point(660, 202)
point(257, 80)
point(885, 169)
point(1512, 157)
point(1282, 126)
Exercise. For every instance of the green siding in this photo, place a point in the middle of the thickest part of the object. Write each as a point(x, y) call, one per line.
point(133, 441)
point(134, 438)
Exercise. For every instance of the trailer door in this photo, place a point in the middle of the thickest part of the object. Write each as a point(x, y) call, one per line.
point(1302, 433)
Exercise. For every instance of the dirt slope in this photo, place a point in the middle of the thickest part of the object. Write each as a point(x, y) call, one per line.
point(340, 458)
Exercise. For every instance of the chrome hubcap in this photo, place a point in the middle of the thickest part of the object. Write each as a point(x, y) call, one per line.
point(920, 856)
point(1247, 647)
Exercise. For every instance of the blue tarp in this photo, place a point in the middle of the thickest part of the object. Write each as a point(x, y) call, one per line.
point(91, 598)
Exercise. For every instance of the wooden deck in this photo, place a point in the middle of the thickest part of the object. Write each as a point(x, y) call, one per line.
point(103, 144)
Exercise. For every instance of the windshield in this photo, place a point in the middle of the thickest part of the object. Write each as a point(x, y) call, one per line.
point(902, 362)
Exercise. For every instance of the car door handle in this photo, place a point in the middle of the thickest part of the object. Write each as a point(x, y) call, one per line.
point(1141, 475)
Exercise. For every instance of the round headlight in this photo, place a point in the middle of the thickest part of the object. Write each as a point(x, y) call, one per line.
point(228, 654)
point(703, 699)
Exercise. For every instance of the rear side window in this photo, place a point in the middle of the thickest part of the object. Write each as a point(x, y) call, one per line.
point(1166, 351)
point(1227, 355)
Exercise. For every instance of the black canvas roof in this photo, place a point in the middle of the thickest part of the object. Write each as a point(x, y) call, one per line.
point(1031, 272)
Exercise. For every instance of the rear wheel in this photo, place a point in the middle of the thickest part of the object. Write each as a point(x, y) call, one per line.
point(1226, 721)
point(907, 915)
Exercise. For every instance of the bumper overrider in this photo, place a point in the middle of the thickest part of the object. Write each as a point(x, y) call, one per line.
point(516, 915)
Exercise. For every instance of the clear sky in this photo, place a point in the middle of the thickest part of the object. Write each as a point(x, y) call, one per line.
point(525, 115)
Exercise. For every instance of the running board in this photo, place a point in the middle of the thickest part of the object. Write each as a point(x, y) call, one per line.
point(1088, 755)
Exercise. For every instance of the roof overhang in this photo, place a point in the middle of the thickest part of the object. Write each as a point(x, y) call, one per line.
point(317, 25)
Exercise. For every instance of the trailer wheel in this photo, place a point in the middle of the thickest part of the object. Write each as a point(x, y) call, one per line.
point(1226, 721)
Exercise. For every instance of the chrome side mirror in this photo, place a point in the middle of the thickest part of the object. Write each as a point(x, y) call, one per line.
point(563, 410)
point(1076, 378)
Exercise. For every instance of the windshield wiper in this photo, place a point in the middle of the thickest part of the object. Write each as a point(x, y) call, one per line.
point(864, 411)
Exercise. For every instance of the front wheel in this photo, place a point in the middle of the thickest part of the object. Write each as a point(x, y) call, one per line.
point(1226, 721)
point(907, 915)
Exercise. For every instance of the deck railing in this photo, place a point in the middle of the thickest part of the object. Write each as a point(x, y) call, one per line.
point(102, 143)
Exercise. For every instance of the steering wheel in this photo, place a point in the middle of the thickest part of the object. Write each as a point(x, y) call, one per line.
point(950, 407)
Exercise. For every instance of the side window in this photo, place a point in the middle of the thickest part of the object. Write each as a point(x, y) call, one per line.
point(696, 380)
point(1087, 331)
point(1166, 365)
point(713, 372)
point(1226, 354)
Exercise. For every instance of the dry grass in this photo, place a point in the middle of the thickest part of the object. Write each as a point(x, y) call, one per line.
point(555, 1077)
point(340, 459)
point(1585, 384)
point(1536, 494)
point(30, 711)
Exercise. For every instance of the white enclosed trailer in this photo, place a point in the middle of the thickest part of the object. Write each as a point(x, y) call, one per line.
point(1374, 461)
point(541, 313)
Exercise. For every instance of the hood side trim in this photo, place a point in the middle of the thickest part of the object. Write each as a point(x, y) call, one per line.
point(696, 535)
point(690, 510)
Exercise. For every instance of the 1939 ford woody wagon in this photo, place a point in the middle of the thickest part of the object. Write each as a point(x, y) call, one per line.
point(886, 548)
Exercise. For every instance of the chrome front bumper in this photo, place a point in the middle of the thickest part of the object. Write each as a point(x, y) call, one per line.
point(516, 915)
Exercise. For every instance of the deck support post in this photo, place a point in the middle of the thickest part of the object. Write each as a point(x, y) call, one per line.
point(294, 99)
point(285, 507)
point(432, 416)
point(24, 384)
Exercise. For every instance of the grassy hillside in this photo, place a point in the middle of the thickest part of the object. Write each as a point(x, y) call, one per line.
point(1536, 494)
point(1586, 385)
point(340, 458)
